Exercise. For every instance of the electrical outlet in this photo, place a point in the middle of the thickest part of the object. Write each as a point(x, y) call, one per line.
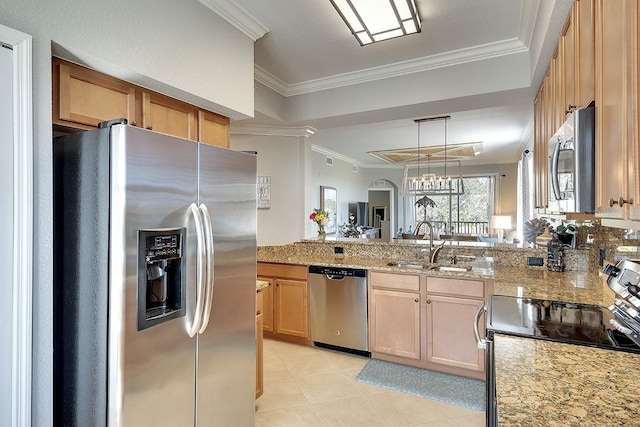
point(338, 251)
point(535, 261)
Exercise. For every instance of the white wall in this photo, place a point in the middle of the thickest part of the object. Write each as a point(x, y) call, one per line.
point(282, 158)
point(182, 46)
point(351, 187)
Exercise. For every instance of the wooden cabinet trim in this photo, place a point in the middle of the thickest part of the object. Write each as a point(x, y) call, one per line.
point(395, 281)
point(290, 271)
point(456, 287)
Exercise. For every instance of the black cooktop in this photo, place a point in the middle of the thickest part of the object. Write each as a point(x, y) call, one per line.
point(582, 324)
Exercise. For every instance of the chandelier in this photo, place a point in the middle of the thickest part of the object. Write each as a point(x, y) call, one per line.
point(418, 178)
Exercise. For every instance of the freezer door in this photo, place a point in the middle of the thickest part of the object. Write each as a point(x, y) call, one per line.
point(226, 348)
point(151, 368)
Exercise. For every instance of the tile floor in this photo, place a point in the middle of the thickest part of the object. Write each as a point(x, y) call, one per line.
point(306, 386)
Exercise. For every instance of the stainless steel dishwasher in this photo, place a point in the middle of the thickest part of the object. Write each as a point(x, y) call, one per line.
point(338, 308)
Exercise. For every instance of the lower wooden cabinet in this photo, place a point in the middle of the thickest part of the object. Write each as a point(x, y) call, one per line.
point(394, 319)
point(286, 301)
point(450, 337)
point(426, 321)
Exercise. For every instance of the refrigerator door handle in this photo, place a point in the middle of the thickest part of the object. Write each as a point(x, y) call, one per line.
point(208, 233)
point(201, 272)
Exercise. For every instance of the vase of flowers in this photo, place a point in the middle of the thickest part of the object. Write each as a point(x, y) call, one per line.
point(320, 217)
point(351, 229)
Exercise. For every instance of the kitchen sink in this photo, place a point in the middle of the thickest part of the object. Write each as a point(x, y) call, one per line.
point(431, 267)
point(458, 268)
point(408, 264)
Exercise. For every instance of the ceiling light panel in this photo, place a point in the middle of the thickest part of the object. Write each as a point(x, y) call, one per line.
point(376, 20)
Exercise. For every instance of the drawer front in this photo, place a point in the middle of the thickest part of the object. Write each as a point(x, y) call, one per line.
point(283, 270)
point(259, 302)
point(456, 287)
point(395, 281)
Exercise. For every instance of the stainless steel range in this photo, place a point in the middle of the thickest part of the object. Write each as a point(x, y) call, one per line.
point(624, 280)
point(614, 328)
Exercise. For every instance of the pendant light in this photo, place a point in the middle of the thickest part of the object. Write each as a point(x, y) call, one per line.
point(416, 183)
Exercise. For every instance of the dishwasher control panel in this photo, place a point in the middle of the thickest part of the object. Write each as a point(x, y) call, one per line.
point(337, 271)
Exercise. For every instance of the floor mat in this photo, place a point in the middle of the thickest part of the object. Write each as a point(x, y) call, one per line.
point(461, 391)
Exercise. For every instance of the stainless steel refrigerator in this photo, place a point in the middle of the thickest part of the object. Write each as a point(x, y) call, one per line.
point(154, 281)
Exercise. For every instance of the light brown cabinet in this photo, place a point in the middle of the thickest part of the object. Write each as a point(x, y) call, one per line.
point(617, 109)
point(286, 302)
point(583, 17)
point(426, 321)
point(169, 116)
point(213, 129)
point(451, 308)
point(291, 308)
point(394, 318)
point(82, 98)
point(568, 84)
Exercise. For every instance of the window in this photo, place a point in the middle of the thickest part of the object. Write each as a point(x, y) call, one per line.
point(467, 213)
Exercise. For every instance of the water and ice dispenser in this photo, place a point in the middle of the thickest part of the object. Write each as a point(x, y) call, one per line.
point(161, 276)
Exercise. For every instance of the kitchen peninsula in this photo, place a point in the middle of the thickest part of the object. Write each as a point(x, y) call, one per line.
point(521, 398)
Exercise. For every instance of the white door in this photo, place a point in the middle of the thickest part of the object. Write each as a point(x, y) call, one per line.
point(16, 209)
point(6, 217)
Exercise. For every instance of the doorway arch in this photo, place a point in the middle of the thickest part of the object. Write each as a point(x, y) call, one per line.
point(382, 194)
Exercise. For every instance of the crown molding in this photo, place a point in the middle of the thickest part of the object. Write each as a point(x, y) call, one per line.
point(447, 59)
point(265, 130)
point(528, 20)
point(352, 161)
point(335, 155)
point(238, 17)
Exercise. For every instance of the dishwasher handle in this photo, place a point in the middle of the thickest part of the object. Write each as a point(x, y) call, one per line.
point(335, 276)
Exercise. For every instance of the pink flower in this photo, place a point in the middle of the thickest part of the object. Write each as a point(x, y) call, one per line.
point(312, 216)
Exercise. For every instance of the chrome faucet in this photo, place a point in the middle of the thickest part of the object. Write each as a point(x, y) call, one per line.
point(433, 253)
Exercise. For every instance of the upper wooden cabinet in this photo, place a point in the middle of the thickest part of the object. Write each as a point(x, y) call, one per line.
point(568, 84)
point(213, 129)
point(167, 115)
point(82, 98)
point(583, 18)
point(616, 113)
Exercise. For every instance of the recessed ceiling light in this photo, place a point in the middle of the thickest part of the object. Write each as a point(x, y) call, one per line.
point(373, 21)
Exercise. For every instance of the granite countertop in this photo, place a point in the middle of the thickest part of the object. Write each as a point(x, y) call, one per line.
point(581, 286)
point(481, 269)
point(538, 382)
point(554, 384)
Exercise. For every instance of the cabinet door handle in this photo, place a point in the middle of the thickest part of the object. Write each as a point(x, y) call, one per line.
point(620, 202)
point(133, 123)
point(428, 301)
point(416, 300)
point(149, 127)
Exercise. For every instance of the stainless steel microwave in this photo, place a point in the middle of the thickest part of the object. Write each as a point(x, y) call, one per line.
point(572, 164)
